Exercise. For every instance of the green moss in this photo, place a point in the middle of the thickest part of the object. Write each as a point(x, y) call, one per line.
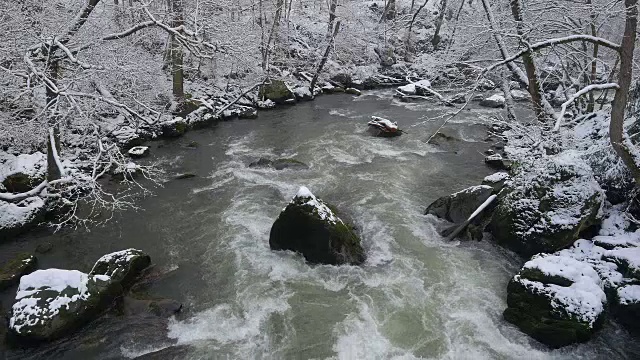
point(276, 91)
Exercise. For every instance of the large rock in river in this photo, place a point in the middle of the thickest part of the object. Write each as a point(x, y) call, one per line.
point(51, 303)
point(309, 226)
point(557, 300)
point(457, 207)
point(276, 91)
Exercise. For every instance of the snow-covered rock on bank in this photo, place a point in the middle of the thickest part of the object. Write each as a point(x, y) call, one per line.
point(51, 303)
point(309, 226)
point(546, 204)
point(557, 300)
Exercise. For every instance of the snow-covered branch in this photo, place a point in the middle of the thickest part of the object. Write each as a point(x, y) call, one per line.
point(573, 98)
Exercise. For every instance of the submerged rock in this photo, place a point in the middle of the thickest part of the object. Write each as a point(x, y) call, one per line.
point(19, 266)
point(279, 164)
point(557, 300)
point(309, 226)
point(276, 91)
point(51, 303)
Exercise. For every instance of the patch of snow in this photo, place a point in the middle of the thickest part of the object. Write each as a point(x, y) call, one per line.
point(384, 122)
point(563, 266)
point(423, 83)
point(629, 294)
point(409, 89)
point(629, 256)
point(13, 215)
point(32, 165)
point(497, 177)
point(138, 150)
point(496, 97)
point(324, 211)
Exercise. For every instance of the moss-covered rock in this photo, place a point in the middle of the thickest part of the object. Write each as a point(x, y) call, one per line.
point(174, 128)
point(51, 303)
point(557, 300)
point(546, 204)
point(309, 226)
point(276, 91)
point(123, 266)
point(11, 272)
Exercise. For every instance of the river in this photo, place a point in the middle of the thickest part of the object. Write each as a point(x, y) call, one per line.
point(415, 297)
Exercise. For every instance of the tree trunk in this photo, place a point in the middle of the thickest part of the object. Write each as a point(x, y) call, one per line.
point(332, 16)
point(324, 57)
point(594, 62)
point(53, 170)
point(176, 52)
point(529, 64)
point(436, 36)
point(616, 127)
point(408, 46)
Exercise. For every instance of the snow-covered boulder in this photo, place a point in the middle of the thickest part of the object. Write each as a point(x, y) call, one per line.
point(353, 91)
point(520, 95)
point(138, 151)
point(627, 307)
point(17, 217)
point(546, 204)
point(409, 89)
point(127, 136)
point(497, 162)
point(123, 266)
point(557, 300)
point(23, 172)
point(303, 93)
point(51, 303)
point(174, 128)
point(266, 104)
point(627, 259)
point(276, 91)
point(309, 226)
point(248, 113)
point(458, 206)
point(11, 272)
point(493, 101)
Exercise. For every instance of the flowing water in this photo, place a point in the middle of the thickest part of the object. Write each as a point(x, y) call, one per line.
point(415, 297)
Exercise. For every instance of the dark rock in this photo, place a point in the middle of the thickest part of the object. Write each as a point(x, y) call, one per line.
point(123, 266)
point(459, 206)
point(276, 91)
point(176, 352)
point(174, 128)
point(279, 164)
point(44, 247)
point(20, 182)
point(441, 138)
point(11, 272)
point(626, 307)
point(248, 113)
point(309, 226)
point(158, 307)
point(192, 144)
point(542, 305)
point(184, 176)
point(344, 79)
point(496, 161)
point(353, 91)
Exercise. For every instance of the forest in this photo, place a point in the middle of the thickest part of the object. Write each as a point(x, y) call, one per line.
point(337, 179)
